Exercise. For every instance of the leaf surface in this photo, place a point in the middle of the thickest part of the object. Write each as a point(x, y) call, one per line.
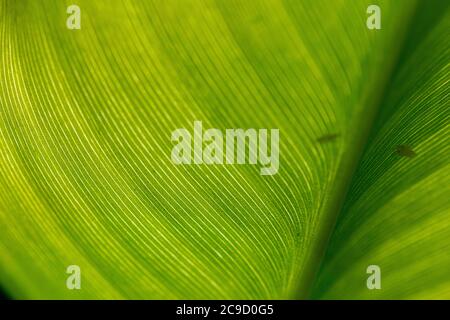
point(86, 177)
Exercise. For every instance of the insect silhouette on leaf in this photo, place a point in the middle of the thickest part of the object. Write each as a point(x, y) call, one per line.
point(327, 137)
point(404, 150)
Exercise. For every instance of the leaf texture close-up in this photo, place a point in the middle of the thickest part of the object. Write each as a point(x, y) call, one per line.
point(87, 179)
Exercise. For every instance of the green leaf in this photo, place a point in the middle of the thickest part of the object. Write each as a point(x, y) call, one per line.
point(86, 177)
point(397, 213)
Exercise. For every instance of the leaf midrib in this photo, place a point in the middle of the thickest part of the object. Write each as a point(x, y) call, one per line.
point(332, 209)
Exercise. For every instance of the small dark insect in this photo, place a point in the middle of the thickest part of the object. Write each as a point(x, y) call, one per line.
point(328, 138)
point(405, 151)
